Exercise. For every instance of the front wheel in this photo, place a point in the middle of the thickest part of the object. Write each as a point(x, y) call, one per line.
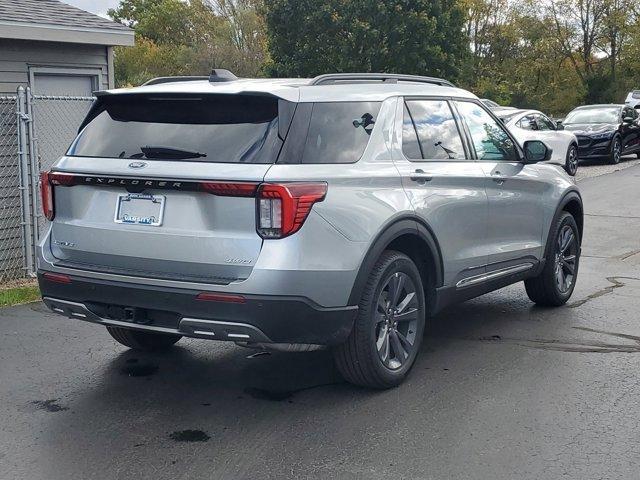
point(555, 284)
point(571, 162)
point(387, 333)
point(616, 150)
point(144, 341)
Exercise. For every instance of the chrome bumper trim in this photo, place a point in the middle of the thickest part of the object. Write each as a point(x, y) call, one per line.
point(188, 327)
point(485, 277)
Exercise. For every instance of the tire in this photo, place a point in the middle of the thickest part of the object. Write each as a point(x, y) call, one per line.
point(547, 289)
point(571, 161)
point(144, 341)
point(616, 150)
point(378, 332)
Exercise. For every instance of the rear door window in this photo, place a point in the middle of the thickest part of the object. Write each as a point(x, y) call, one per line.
point(429, 131)
point(490, 140)
point(208, 128)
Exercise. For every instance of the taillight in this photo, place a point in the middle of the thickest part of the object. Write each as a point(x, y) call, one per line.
point(230, 189)
point(283, 208)
point(47, 182)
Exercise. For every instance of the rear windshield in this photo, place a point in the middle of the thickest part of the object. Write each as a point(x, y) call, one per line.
point(215, 128)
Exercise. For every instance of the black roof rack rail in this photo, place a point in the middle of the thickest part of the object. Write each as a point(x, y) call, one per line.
point(376, 77)
point(217, 75)
point(156, 81)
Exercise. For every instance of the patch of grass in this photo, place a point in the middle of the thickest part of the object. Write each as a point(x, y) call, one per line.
point(18, 295)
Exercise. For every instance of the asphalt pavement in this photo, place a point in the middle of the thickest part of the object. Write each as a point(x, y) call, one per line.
point(502, 389)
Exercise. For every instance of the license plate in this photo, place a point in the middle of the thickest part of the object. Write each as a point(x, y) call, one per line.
point(140, 209)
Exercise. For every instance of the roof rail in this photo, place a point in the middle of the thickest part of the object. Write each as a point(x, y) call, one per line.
point(155, 81)
point(376, 77)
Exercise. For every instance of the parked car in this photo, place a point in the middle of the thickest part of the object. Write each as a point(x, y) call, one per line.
point(490, 104)
point(633, 99)
point(534, 125)
point(605, 131)
point(292, 214)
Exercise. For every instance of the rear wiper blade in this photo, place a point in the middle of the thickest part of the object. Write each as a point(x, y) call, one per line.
point(169, 153)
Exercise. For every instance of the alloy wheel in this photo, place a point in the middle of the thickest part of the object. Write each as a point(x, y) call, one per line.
point(617, 150)
point(566, 259)
point(396, 321)
point(572, 161)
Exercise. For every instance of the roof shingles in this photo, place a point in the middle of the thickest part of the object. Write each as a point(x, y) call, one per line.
point(53, 12)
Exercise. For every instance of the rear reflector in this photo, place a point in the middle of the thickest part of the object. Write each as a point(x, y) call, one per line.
point(57, 277)
point(234, 189)
point(283, 208)
point(220, 297)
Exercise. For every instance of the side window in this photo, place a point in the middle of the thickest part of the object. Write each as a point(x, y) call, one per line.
point(524, 123)
point(629, 112)
point(489, 138)
point(339, 132)
point(410, 145)
point(544, 123)
point(437, 134)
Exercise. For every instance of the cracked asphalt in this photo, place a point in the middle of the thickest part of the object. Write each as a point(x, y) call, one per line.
point(501, 390)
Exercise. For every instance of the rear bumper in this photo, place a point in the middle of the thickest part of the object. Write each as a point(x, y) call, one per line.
point(266, 319)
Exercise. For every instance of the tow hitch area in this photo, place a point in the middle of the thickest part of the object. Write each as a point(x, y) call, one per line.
point(128, 314)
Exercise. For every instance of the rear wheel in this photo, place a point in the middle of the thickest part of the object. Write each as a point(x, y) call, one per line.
point(387, 334)
point(555, 284)
point(571, 162)
point(145, 341)
point(616, 150)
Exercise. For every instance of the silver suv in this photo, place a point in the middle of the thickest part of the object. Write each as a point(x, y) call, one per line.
point(341, 211)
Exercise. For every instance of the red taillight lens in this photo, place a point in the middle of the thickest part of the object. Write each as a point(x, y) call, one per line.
point(283, 208)
point(226, 189)
point(220, 297)
point(47, 182)
point(46, 196)
point(57, 277)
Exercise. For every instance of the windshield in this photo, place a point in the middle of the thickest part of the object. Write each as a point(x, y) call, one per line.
point(594, 115)
point(215, 128)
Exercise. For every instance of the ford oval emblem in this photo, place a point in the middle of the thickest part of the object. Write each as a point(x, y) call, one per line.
point(137, 164)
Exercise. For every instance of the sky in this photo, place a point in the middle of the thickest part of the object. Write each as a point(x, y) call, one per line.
point(94, 6)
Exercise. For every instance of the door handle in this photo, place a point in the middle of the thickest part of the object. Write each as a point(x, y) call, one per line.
point(420, 177)
point(496, 177)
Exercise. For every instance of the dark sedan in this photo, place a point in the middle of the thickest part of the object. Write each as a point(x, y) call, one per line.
point(605, 131)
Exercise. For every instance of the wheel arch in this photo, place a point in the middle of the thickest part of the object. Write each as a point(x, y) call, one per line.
point(571, 202)
point(413, 237)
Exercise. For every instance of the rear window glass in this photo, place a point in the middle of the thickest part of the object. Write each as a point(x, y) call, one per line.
point(339, 132)
point(216, 128)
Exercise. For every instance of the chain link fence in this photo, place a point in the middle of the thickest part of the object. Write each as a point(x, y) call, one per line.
point(35, 130)
point(12, 262)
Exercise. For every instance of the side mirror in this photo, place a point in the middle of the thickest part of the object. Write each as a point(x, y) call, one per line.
point(559, 125)
point(627, 120)
point(536, 151)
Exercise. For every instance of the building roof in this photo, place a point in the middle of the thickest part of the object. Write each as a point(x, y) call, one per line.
point(56, 21)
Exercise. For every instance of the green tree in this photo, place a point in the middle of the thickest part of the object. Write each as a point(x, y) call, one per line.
point(175, 37)
point(307, 37)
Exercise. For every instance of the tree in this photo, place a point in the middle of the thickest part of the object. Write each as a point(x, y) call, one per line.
point(175, 37)
point(307, 37)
